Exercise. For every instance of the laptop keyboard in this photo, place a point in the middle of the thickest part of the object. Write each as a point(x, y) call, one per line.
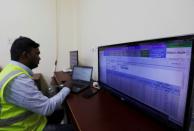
point(75, 89)
point(80, 84)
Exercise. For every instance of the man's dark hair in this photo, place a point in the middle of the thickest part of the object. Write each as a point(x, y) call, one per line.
point(20, 45)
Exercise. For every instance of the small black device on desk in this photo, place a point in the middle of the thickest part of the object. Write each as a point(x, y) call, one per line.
point(90, 92)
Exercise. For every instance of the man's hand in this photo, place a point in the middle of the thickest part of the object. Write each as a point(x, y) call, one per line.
point(65, 91)
point(68, 84)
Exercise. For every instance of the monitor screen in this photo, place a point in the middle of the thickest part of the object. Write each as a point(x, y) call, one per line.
point(73, 58)
point(156, 75)
point(82, 73)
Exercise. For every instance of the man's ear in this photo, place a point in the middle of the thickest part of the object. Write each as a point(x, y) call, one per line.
point(24, 54)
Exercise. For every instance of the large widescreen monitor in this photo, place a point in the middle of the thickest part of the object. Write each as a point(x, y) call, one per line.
point(155, 75)
point(73, 58)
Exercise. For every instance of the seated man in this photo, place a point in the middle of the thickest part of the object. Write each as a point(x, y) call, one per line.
point(22, 106)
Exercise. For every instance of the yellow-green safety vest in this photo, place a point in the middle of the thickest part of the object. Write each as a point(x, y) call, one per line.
point(13, 117)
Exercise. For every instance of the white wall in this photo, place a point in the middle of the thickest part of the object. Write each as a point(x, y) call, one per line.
point(67, 31)
point(103, 22)
point(51, 23)
point(32, 18)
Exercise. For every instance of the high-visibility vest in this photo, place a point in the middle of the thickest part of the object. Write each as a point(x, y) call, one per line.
point(13, 117)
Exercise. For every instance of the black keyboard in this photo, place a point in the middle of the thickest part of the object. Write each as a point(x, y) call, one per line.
point(75, 89)
point(80, 84)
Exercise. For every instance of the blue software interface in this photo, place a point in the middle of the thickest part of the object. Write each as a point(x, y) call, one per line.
point(73, 59)
point(156, 74)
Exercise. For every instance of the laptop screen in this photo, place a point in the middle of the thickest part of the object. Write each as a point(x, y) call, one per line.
point(82, 73)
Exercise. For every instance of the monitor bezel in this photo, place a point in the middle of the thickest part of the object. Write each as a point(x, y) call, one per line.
point(141, 106)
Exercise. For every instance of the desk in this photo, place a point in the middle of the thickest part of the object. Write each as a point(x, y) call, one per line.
point(104, 112)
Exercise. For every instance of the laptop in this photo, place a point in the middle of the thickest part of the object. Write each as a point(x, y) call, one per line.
point(81, 78)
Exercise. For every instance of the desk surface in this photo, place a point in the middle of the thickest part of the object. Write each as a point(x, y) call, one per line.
point(104, 112)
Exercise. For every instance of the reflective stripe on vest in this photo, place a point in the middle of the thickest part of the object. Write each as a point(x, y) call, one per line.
point(7, 77)
point(9, 121)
